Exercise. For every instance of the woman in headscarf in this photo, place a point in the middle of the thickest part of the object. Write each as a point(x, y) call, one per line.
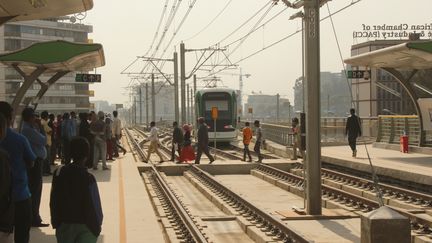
point(187, 153)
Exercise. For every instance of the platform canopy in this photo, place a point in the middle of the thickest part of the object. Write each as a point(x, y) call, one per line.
point(55, 56)
point(400, 60)
point(18, 10)
point(409, 55)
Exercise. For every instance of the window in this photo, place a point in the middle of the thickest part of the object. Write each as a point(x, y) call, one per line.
point(12, 45)
point(31, 30)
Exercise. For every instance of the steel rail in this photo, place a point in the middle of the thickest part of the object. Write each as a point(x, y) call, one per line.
point(192, 229)
point(344, 197)
point(349, 199)
point(388, 190)
point(274, 226)
point(402, 194)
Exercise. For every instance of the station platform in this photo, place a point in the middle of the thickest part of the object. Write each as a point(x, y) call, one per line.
point(411, 167)
point(130, 217)
point(128, 213)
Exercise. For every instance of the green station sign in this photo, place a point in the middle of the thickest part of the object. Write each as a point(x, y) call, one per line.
point(88, 78)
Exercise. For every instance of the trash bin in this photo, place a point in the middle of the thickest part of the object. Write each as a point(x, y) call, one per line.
point(404, 143)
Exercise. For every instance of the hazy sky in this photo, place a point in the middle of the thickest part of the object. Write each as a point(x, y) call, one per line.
point(126, 29)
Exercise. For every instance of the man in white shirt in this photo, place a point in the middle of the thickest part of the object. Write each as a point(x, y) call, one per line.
point(117, 132)
point(154, 142)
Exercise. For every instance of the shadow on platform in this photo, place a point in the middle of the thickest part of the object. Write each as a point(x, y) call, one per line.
point(38, 236)
point(340, 230)
point(101, 175)
point(422, 161)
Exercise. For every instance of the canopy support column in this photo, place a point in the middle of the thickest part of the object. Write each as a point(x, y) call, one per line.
point(28, 81)
point(45, 86)
point(414, 97)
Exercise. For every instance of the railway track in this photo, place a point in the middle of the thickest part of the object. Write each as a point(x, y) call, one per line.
point(183, 222)
point(339, 189)
point(271, 227)
point(419, 224)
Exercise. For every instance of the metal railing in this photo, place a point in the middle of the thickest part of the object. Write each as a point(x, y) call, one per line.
point(332, 130)
point(390, 128)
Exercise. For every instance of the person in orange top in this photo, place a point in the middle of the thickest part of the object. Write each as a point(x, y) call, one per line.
point(247, 136)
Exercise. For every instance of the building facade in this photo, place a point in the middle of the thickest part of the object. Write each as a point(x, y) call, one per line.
point(264, 107)
point(335, 95)
point(164, 102)
point(65, 95)
point(381, 94)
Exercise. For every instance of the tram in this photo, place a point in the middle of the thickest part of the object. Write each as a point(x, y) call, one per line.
point(226, 102)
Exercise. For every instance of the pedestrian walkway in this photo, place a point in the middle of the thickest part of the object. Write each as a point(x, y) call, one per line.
point(413, 167)
point(128, 214)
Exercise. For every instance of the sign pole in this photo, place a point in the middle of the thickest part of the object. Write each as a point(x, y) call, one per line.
point(214, 114)
point(215, 137)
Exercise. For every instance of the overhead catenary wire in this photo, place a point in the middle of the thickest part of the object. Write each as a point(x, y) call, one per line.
point(247, 35)
point(374, 175)
point(211, 22)
point(154, 36)
point(283, 39)
point(340, 54)
point(175, 7)
point(244, 23)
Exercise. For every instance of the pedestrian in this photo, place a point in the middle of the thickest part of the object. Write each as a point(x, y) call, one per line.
point(76, 211)
point(46, 167)
point(247, 137)
point(59, 142)
point(177, 141)
point(75, 122)
point(21, 157)
point(203, 141)
point(109, 139)
point(6, 202)
point(68, 132)
point(117, 132)
point(258, 141)
point(84, 131)
point(32, 130)
point(53, 151)
point(296, 142)
point(154, 142)
point(98, 130)
point(187, 153)
point(353, 130)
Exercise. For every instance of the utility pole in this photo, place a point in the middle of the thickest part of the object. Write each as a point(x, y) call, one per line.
point(187, 104)
point(134, 105)
point(289, 111)
point(240, 99)
point(147, 105)
point(277, 107)
point(140, 103)
point(183, 82)
point(191, 107)
point(153, 98)
point(312, 71)
point(194, 92)
point(176, 91)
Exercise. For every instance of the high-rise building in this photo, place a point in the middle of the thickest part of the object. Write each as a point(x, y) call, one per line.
point(335, 96)
point(65, 95)
point(265, 107)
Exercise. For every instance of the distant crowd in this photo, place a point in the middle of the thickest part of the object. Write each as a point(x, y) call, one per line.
point(28, 153)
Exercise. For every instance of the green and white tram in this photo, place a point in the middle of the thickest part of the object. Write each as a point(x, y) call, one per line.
point(226, 102)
